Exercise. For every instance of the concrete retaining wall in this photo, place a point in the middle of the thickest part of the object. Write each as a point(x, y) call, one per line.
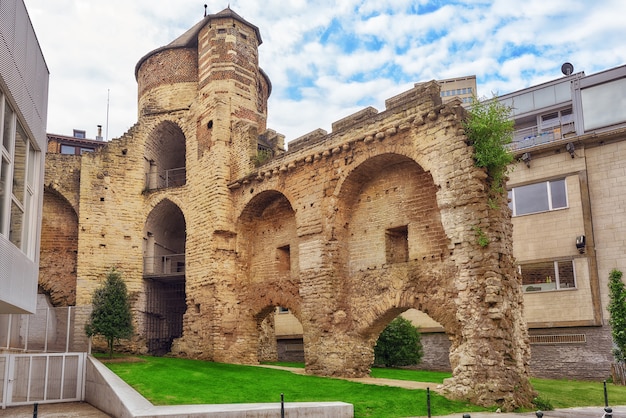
point(107, 392)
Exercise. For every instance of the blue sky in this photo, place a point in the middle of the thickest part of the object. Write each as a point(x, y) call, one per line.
point(326, 59)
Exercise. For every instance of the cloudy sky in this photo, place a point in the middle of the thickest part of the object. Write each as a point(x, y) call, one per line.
point(326, 58)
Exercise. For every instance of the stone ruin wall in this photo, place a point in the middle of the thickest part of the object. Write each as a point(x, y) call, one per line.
point(346, 229)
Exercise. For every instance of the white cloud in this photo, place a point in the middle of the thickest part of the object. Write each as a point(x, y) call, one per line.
point(91, 49)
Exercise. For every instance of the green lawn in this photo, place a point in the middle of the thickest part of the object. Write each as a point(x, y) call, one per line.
point(171, 381)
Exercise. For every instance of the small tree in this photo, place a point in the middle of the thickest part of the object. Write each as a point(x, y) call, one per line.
point(489, 128)
point(111, 316)
point(399, 344)
point(617, 312)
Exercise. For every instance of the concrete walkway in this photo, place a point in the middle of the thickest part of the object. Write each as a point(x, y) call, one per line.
point(55, 410)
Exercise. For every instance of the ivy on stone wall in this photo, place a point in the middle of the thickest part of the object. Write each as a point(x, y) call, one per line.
point(489, 128)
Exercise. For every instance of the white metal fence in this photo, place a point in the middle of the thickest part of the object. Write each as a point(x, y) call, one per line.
point(42, 378)
point(43, 356)
point(48, 330)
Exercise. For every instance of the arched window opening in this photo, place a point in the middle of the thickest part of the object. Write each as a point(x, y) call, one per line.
point(164, 157)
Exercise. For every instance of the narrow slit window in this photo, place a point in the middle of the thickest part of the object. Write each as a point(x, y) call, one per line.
point(283, 257)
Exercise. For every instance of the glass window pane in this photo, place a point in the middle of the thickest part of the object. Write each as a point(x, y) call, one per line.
point(4, 192)
point(7, 130)
point(530, 199)
point(539, 276)
point(566, 275)
point(559, 194)
point(604, 104)
point(68, 149)
point(19, 164)
point(17, 224)
point(33, 164)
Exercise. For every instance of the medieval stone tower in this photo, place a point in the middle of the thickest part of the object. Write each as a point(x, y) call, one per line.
point(347, 229)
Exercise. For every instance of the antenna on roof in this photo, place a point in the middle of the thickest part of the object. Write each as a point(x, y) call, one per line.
point(567, 68)
point(205, 6)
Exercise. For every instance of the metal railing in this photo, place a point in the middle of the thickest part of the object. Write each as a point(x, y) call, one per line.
point(532, 136)
point(174, 177)
point(164, 265)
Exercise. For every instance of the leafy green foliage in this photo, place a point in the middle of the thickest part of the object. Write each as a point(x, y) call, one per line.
point(542, 404)
point(489, 128)
point(481, 238)
point(262, 157)
point(111, 316)
point(399, 344)
point(617, 311)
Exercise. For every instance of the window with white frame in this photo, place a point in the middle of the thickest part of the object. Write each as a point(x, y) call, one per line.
point(19, 173)
point(549, 275)
point(538, 197)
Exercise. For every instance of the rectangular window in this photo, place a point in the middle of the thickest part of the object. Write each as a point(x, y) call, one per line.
point(283, 258)
point(604, 104)
point(397, 245)
point(538, 197)
point(68, 149)
point(80, 134)
point(550, 275)
point(19, 178)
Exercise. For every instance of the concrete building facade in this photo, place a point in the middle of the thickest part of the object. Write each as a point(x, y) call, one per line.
point(23, 113)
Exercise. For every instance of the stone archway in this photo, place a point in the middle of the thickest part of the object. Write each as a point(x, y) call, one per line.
point(164, 276)
point(267, 262)
point(59, 248)
point(164, 157)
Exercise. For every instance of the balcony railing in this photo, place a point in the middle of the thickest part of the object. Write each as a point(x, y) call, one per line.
point(530, 137)
point(164, 265)
point(174, 177)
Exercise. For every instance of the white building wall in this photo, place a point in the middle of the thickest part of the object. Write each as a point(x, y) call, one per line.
point(24, 84)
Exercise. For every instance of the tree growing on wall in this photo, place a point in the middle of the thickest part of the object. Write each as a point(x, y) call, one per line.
point(398, 345)
point(489, 128)
point(617, 312)
point(111, 316)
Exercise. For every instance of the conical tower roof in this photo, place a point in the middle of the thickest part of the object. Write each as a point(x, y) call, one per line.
point(190, 37)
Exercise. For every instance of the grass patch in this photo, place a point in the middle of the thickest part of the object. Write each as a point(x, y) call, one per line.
point(574, 393)
point(172, 381)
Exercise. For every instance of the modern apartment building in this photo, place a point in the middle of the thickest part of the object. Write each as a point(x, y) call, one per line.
point(463, 88)
point(568, 197)
point(23, 113)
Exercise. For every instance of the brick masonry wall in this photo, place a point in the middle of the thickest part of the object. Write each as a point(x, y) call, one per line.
point(59, 247)
point(585, 360)
point(589, 360)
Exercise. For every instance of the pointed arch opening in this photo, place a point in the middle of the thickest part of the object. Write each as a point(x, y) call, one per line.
point(164, 238)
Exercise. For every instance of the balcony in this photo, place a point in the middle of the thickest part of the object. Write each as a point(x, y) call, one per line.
point(170, 265)
point(174, 177)
point(533, 136)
